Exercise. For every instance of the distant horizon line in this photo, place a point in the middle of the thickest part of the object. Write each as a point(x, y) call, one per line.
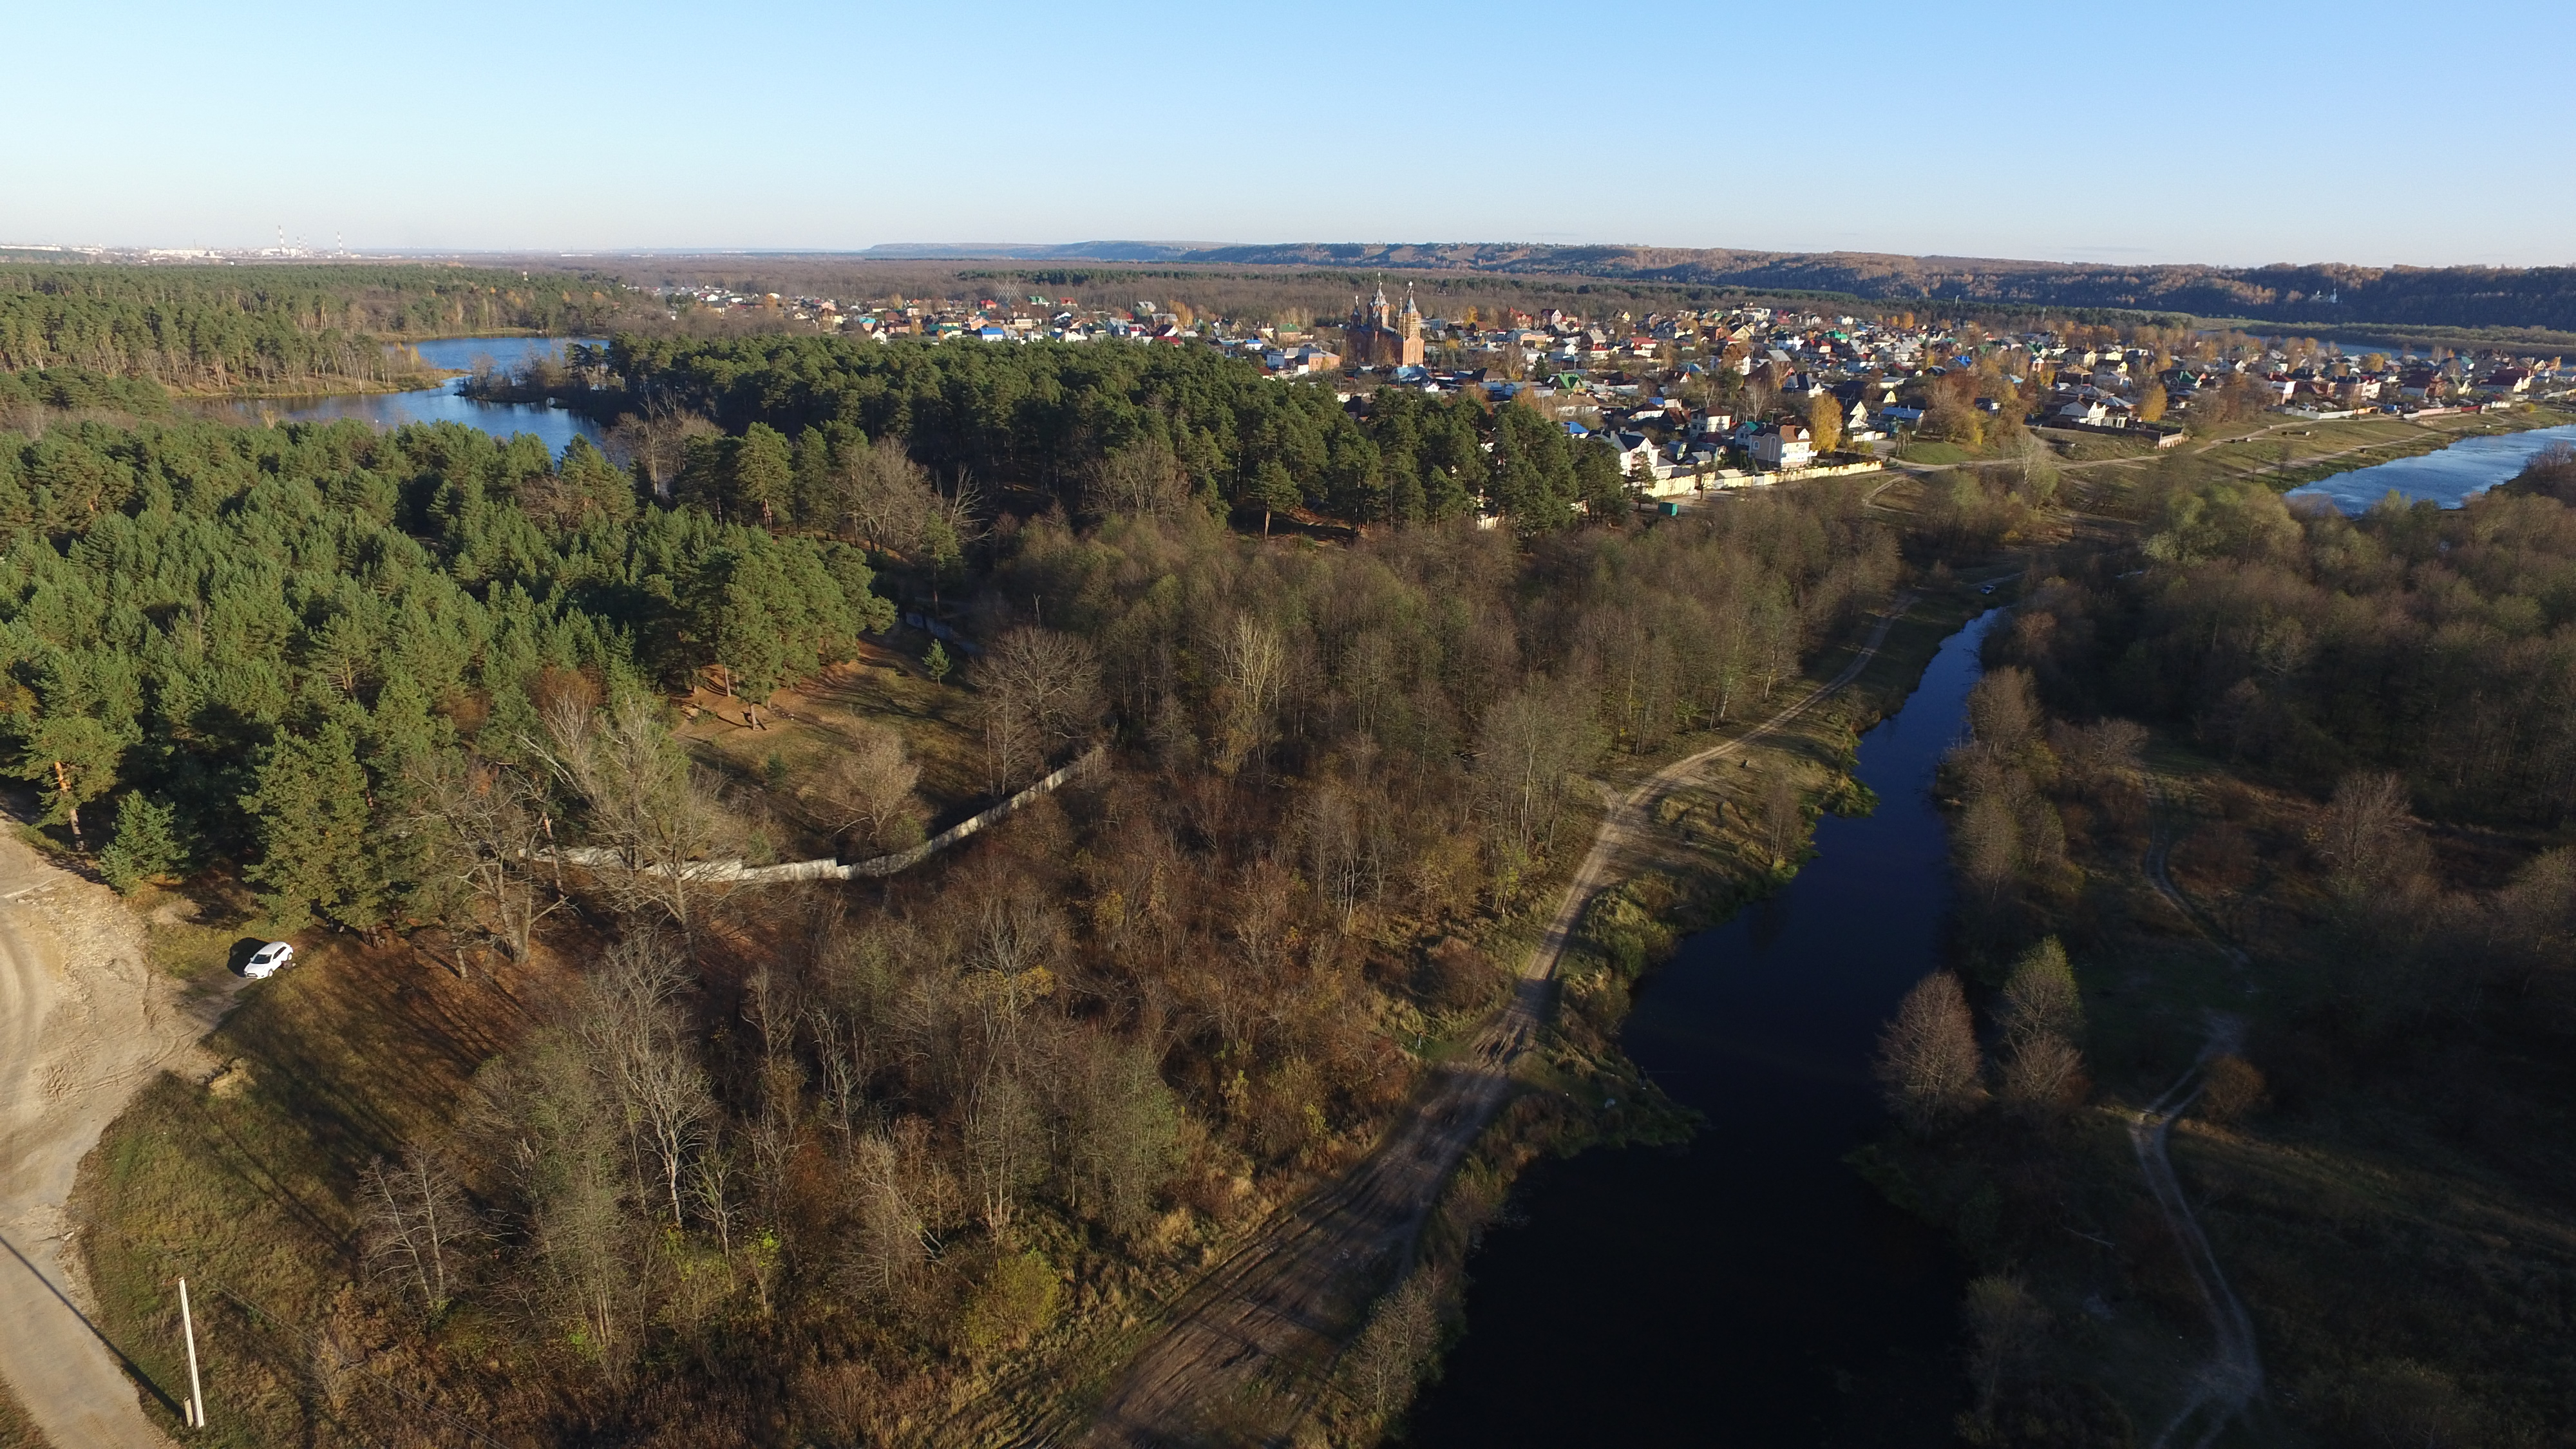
point(1143, 251)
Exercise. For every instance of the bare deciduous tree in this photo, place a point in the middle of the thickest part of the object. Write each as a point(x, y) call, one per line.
point(1784, 817)
point(865, 792)
point(892, 1243)
point(1143, 479)
point(655, 440)
point(2102, 753)
point(415, 1219)
point(883, 497)
point(1038, 690)
point(2043, 1076)
point(632, 1026)
point(2365, 834)
point(1121, 1130)
point(644, 803)
point(1388, 1360)
point(1005, 1147)
point(2006, 1326)
point(1251, 667)
point(1927, 1058)
point(491, 833)
point(1527, 752)
point(2040, 997)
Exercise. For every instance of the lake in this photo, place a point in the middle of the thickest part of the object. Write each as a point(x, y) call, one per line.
point(2450, 477)
point(1748, 1288)
point(443, 404)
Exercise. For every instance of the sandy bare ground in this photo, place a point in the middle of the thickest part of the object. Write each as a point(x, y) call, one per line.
point(84, 1023)
point(1266, 1322)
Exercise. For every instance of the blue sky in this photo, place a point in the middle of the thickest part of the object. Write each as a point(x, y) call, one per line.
point(2238, 133)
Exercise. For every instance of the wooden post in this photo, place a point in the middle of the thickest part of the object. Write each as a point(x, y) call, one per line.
point(196, 1405)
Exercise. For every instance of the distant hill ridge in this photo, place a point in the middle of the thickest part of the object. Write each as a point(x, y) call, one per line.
point(2322, 295)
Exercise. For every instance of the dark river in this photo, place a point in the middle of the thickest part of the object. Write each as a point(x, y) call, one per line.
point(441, 404)
point(1748, 1289)
point(2450, 477)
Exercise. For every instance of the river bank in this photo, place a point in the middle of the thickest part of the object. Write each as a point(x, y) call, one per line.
point(442, 400)
point(1756, 1281)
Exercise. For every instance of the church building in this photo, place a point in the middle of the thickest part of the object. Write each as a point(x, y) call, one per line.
point(1379, 338)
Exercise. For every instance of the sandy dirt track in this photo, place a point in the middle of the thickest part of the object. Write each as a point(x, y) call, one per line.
point(84, 1023)
point(1275, 1312)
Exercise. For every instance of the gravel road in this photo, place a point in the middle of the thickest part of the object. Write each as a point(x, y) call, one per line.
point(84, 1024)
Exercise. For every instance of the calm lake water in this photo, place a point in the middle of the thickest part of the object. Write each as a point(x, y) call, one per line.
point(1747, 1289)
point(2450, 477)
point(442, 404)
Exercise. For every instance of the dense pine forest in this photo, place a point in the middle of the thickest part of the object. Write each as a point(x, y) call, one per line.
point(1120, 428)
point(200, 329)
point(202, 616)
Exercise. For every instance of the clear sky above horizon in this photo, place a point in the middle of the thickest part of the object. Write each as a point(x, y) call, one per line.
point(2190, 131)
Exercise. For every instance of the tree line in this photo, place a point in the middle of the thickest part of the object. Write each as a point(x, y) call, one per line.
point(215, 329)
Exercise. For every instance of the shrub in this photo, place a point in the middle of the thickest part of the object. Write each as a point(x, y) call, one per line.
point(2232, 1089)
point(1016, 1301)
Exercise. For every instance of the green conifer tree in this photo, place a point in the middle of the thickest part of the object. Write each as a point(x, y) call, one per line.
point(764, 473)
point(311, 812)
point(146, 844)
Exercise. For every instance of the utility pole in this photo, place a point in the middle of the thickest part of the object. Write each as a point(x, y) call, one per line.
point(196, 1405)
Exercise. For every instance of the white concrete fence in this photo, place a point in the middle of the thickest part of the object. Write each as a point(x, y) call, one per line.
point(734, 872)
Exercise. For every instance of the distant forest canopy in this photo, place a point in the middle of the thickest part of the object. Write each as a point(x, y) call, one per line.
point(216, 617)
point(1100, 428)
point(201, 329)
point(2310, 296)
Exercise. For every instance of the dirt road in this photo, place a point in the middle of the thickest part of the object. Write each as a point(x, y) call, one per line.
point(2228, 1382)
point(84, 1023)
point(1270, 1317)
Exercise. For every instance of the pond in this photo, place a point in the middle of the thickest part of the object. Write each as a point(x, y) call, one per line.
point(2450, 477)
point(443, 404)
point(1749, 1288)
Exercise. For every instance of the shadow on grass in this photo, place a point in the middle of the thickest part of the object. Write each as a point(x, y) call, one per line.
point(132, 1369)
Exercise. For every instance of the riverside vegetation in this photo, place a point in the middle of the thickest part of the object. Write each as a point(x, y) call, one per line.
point(545, 1156)
point(2347, 741)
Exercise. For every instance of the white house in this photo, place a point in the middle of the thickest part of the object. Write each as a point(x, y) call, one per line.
point(1785, 447)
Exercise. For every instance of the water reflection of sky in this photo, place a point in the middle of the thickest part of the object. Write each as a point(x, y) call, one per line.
point(2450, 477)
point(553, 426)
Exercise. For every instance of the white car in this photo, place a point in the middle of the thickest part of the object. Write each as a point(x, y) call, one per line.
point(268, 960)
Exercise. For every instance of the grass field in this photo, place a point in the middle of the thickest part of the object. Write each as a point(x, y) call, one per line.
point(805, 724)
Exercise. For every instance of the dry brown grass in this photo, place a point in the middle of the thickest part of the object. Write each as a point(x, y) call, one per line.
point(243, 1183)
